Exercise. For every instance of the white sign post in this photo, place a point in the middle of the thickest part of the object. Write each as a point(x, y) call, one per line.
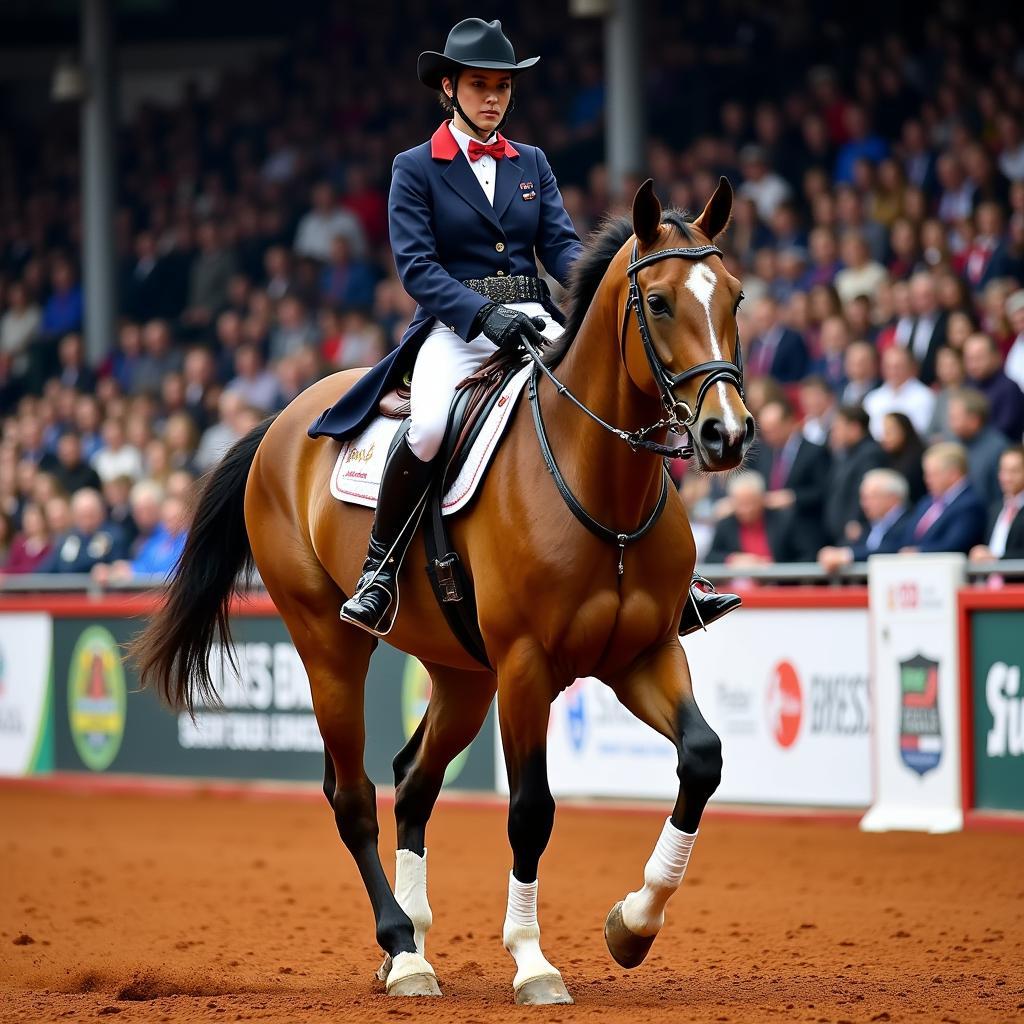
point(916, 705)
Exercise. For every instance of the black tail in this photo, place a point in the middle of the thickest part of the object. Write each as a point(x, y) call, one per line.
point(172, 653)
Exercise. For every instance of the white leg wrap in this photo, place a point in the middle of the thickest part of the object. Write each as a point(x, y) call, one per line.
point(411, 893)
point(643, 912)
point(521, 934)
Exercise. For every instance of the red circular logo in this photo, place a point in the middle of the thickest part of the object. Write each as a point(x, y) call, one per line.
point(784, 703)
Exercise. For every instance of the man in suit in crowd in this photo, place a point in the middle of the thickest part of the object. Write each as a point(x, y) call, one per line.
point(883, 500)
point(968, 413)
point(91, 539)
point(984, 365)
point(776, 350)
point(951, 516)
point(794, 469)
point(1006, 522)
point(754, 534)
point(923, 333)
point(854, 453)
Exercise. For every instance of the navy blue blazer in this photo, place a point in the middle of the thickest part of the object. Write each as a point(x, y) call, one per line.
point(443, 232)
point(959, 528)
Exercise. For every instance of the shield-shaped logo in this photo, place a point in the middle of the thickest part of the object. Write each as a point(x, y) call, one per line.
point(920, 726)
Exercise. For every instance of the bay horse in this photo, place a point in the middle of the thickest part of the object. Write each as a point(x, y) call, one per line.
point(651, 321)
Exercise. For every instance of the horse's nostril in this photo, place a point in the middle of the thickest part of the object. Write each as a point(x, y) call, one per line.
point(712, 434)
point(748, 432)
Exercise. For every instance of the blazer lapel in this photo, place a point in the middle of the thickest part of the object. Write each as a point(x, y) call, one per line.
point(463, 182)
point(506, 183)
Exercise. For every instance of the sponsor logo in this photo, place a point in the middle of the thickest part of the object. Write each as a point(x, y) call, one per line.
point(576, 715)
point(12, 722)
point(361, 454)
point(920, 725)
point(97, 698)
point(416, 689)
point(784, 704)
point(1006, 706)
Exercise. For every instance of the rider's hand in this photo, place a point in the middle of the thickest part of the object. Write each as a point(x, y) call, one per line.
point(507, 327)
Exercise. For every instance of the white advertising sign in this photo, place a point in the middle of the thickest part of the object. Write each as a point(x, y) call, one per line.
point(916, 667)
point(787, 692)
point(25, 642)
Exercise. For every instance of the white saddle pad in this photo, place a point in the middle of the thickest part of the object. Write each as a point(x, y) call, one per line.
point(357, 473)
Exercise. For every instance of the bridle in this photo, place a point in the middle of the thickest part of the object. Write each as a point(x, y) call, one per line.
point(717, 370)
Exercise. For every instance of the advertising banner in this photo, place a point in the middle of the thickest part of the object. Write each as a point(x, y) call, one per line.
point(998, 697)
point(915, 653)
point(266, 728)
point(26, 736)
point(787, 692)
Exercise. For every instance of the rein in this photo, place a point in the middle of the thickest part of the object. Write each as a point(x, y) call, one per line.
point(717, 370)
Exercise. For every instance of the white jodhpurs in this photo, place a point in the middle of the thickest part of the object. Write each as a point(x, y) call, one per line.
point(443, 360)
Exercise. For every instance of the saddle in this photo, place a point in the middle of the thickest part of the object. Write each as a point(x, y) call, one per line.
point(475, 396)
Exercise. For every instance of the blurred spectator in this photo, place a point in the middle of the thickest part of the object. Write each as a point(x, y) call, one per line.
point(253, 382)
point(20, 324)
point(760, 184)
point(159, 552)
point(72, 471)
point(116, 457)
point(861, 144)
point(794, 470)
point(754, 534)
point(208, 281)
point(817, 400)
point(900, 391)
point(324, 222)
point(860, 367)
point(904, 450)
point(219, 437)
point(294, 329)
point(33, 544)
point(969, 424)
point(983, 364)
point(923, 333)
point(1014, 368)
point(883, 503)
point(90, 540)
point(833, 341)
point(142, 282)
point(952, 516)
point(950, 376)
point(74, 372)
point(346, 282)
point(159, 358)
point(1005, 530)
point(854, 453)
point(860, 275)
point(775, 350)
point(62, 312)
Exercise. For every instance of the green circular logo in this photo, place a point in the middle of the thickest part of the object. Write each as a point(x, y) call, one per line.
point(416, 689)
point(97, 698)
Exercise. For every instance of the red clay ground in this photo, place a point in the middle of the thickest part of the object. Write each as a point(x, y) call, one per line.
point(188, 908)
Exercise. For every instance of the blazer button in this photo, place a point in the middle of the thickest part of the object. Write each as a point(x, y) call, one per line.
point(499, 246)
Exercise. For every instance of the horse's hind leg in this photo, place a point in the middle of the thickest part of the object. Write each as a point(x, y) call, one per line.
point(455, 712)
point(336, 657)
point(659, 692)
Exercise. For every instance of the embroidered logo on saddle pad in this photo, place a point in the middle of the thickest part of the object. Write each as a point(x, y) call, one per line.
point(357, 473)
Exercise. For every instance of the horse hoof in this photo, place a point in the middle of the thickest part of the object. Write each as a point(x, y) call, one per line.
point(547, 991)
point(627, 949)
point(408, 974)
point(415, 985)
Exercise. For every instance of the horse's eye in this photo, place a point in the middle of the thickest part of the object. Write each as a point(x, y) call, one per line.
point(657, 305)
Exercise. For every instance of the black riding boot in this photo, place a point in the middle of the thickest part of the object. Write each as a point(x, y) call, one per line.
point(399, 507)
point(705, 605)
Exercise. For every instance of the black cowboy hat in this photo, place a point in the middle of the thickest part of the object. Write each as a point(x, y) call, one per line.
point(471, 44)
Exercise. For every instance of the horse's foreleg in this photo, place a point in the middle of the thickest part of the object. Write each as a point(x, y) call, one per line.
point(524, 698)
point(659, 692)
point(458, 704)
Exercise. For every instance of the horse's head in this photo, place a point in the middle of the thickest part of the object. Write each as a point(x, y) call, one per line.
point(684, 300)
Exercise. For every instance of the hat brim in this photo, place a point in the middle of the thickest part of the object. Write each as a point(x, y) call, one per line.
point(431, 67)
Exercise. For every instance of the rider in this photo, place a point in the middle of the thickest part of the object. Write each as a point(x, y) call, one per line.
point(469, 214)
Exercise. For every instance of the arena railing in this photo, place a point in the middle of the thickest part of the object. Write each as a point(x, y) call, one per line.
point(784, 574)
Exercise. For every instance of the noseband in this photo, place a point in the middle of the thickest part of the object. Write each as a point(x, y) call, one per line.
point(716, 369)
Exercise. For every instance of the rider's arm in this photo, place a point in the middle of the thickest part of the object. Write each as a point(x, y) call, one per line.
point(558, 245)
point(415, 251)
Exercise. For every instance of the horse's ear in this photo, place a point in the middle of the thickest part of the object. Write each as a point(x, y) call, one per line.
point(646, 213)
point(715, 218)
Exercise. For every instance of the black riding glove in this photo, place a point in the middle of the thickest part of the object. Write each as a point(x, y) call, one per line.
point(507, 327)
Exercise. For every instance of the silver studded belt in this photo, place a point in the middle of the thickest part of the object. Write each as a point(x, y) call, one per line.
point(518, 288)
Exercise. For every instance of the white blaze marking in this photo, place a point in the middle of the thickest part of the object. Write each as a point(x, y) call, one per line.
point(701, 284)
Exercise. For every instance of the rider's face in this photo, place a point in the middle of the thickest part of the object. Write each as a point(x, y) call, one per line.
point(484, 95)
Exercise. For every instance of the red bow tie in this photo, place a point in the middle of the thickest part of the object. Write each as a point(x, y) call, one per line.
point(477, 149)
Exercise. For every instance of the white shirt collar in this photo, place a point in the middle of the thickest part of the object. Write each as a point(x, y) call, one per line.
point(464, 140)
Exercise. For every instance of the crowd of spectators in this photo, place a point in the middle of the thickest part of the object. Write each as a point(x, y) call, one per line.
point(878, 230)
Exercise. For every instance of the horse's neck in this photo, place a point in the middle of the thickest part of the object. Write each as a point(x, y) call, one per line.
point(615, 484)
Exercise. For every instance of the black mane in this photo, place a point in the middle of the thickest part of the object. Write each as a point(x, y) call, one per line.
point(598, 251)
